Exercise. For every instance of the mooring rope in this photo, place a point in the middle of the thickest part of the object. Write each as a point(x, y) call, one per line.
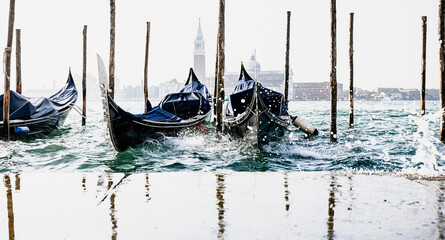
point(78, 110)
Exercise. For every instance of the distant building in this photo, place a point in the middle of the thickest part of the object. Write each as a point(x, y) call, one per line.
point(153, 92)
point(305, 91)
point(169, 87)
point(390, 93)
point(406, 94)
point(432, 94)
point(410, 94)
point(270, 79)
point(273, 80)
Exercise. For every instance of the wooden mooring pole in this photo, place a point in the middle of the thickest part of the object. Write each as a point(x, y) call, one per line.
point(84, 76)
point(442, 66)
point(333, 128)
point(215, 88)
point(7, 59)
point(286, 74)
point(112, 39)
point(18, 62)
point(423, 81)
point(351, 70)
point(147, 45)
point(220, 75)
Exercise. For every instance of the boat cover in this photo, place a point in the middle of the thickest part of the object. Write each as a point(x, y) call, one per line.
point(193, 85)
point(190, 101)
point(155, 114)
point(243, 92)
point(185, 105)
point(25, 108)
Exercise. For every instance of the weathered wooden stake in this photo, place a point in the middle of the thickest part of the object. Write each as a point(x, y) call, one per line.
point(221, 61)
point(84, 76)
point(351, 70)
point(442, 66)
point(18, 62)
point(147, 44)
point(423, 81)
point(112, 39)
point(215, 89)
point(333, 131)
point(286, 75)
point(7, 57)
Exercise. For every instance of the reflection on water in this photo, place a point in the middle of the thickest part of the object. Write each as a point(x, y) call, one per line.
point(10, 207)
point(331, 200)
point(351, 192)
point(440, 215)
point(248, 206)
point(84, 181)
point(17, 182)
point(113, 217)
point(286, 191)
point(100, 183)
point(147, 187)
point(110, 181)
point(220, 187)
point(112, 209)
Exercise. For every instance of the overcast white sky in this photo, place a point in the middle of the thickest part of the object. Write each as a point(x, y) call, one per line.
point(387, 38)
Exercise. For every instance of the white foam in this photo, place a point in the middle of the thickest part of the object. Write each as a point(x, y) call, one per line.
point(425, 160)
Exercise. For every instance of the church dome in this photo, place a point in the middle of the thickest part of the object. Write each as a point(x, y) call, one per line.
point(252, 65)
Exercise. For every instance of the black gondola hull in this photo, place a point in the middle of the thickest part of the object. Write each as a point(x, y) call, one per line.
point(126, 131)
point(37, 127)
point(255, 113)
point(257, 129)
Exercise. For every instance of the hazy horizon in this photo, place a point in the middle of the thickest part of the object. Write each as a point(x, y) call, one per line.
point(387, 39)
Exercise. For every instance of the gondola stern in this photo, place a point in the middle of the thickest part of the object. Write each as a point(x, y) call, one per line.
point(243, 74)
point(192, 78)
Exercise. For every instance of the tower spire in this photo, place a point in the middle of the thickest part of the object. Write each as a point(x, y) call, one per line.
point(199, 29)
point(199, 55)
point(199, 41)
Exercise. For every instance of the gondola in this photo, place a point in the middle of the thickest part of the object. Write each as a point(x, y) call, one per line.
point(255, 113)
point(30, 117)
point(186, 109)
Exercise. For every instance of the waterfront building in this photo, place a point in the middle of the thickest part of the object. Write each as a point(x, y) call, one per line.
point(272, 79)
point(307, 91)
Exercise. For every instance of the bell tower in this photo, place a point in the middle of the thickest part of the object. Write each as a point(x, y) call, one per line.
point(200, 55)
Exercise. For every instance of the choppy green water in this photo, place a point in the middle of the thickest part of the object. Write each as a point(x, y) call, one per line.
point(387, 137)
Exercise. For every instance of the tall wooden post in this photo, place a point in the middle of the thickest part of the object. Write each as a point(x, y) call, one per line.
point(286, 75)
point(221, 61)
point(442, 66)
point(423, 81)
point(18, 62)
point(215, 89)
point(351, 70)
point(7, 57)
point(112, 39)
point(147, 44)
point(84, 76)
point(333, 131)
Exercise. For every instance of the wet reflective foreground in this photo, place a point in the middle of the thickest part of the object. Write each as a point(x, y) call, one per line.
point(186, 205)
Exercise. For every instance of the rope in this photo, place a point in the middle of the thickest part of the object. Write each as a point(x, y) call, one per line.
point(78, 110)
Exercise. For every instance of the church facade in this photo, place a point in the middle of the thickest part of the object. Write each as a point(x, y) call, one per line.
point(272, 79)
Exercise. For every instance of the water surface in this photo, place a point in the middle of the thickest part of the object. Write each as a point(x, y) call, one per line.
point(387, 136)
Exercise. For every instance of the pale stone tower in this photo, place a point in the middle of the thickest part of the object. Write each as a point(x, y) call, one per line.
point(200, 56)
